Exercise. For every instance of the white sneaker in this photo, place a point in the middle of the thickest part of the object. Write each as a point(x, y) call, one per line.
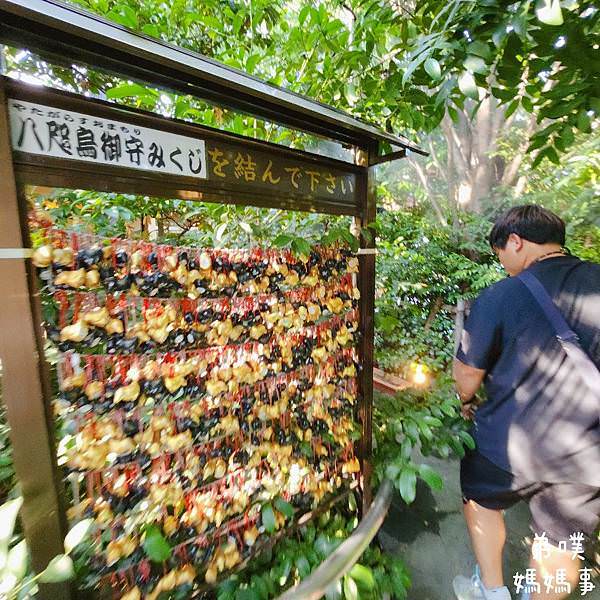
point(467, 588)
point(472, 588)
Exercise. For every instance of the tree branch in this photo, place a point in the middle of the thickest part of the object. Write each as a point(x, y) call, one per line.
point(425, 183)
point(435, 309)
point(510, 174)
point(441, 171)
point(453, 141)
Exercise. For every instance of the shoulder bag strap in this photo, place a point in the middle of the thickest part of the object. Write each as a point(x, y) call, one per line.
point(566, 336)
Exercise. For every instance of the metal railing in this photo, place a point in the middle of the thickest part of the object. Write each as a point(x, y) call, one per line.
point(345, 556)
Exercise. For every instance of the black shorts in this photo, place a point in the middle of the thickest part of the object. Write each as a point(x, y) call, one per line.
point(558, 509)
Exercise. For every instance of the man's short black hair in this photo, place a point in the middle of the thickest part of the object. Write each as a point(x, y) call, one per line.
point(530, 222)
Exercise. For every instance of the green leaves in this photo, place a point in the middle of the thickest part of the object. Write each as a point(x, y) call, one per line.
point(363, 576)
point(60, 568)
point(303, 566)
point(282, 240)
point(8, 517)
point(480, 48)
point(549, 12)
point(226, 590)
point(77, 534)
point(407, 484)
point(285, 508)
point(248, 593)
point(583, 121)
point(151, 30)
point(127, 90)
point(341, 234)
point(399, 577)
point(352, 506)
point(431, 477)
point(268, 518)
point(370, 64)
point(548, 152)
point(325, 545)
point(467, 439)
point(304, 13)
point(155, 546)
point(293, 558)
point(124, 15)
point(350, 588)
point(392, 471)
point(301, 247)
point(467, 85)
point(432, 68)
point(18, 560)
point(475, 64)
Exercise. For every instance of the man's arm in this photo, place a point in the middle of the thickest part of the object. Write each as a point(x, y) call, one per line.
point(480, 345)
point(467, 379)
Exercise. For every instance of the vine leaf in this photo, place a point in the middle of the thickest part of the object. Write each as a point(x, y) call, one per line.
point(268, 518)
point(431, 477)
point(549, 12)
point(155, 546)
point(285, 508)
point(408, 484)
point(433, 69)
point(60, 568)
point(363, 577)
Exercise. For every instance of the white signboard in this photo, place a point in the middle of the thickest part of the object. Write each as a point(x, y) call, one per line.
point(49, 131)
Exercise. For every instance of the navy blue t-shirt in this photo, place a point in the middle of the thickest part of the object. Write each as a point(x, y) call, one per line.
point(540, 419)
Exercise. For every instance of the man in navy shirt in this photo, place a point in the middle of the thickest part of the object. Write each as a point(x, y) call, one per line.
point(537, 434)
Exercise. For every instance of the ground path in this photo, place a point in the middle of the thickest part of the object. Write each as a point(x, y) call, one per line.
point(432, 538)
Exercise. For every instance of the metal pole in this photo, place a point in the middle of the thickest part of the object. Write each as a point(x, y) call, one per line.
point(24, 391)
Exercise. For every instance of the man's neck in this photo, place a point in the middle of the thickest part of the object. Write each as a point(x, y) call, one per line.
point(542, 251)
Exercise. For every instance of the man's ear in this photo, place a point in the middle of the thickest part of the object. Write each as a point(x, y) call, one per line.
point(517, 241)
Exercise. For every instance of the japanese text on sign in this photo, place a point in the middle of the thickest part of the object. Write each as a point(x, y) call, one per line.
point(251, 168)
point(40, 129)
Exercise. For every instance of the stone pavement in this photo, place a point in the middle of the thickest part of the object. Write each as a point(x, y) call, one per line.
point(431, 537)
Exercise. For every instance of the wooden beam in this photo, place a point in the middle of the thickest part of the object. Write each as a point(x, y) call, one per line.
point(379, 160)
point(25, 386)
point(366, 285)
point(388, 383)
point(280, 178)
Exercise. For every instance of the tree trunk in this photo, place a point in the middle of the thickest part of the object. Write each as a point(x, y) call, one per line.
point(473, 167)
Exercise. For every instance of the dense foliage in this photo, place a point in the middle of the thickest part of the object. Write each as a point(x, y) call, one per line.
point(7, 472)
point(523, 73)
point(572, 191)
point(423, 270)
point(376, 575)
point(400, 66)
point(17, 580)
point(199, 224)
point(417, 423)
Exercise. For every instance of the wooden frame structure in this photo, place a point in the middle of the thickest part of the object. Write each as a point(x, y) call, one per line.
point(64, 33)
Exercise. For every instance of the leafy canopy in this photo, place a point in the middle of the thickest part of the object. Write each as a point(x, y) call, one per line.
point(399, 65)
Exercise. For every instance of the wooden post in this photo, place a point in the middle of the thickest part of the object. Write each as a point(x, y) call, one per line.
point(366, 285)
point(25, 388)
